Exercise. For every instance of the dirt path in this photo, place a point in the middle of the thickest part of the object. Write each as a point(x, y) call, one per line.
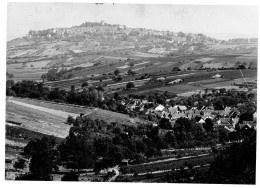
point(43, 109)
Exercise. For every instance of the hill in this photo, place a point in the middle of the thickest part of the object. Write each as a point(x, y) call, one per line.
point(91, 45)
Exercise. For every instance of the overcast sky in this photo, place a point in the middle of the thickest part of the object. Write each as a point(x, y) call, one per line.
point(221, 22)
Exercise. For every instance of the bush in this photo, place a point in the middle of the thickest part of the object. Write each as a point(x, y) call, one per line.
point(70, 120)
point(71, 176)
point(85, 84)
point(20, 164)
point(130, 85)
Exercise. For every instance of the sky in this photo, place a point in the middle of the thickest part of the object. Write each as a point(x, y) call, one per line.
point(218, 21)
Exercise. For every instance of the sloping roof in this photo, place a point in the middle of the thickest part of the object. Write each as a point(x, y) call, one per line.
point(230, 129)
point(182, 107)
point(144, 101)
point(159, 108)
point(161, 78)
point(201, 121)
point(225, 120)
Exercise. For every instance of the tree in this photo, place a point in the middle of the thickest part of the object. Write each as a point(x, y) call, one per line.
point(130, 85)
point(71, 176)
point(116, 72)
point(235, 165)
point(43, 77)
point(131, 64)
point(44, 158)
point(165, 124)
point(84, 84)
point(208, 126)
point(131, 72)
point(176, 69)
point(100, 88)
point(72, 88)
point(20, 164)
point(70, 120)
point(241, 67)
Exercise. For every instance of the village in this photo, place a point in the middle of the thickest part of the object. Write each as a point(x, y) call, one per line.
point(227, 117)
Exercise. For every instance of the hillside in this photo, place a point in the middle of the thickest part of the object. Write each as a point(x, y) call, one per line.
point(102, 46)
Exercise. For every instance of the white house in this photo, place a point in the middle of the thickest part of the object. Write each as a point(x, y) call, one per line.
point(159, 108)
point(255, 116)
point(217, 76)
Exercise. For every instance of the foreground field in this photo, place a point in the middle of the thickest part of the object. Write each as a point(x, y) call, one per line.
point(37, 120)
point(65, 109)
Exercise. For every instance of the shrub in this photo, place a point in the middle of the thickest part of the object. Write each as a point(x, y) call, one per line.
point(71, 176)
point(20, 164)
point(70, 120)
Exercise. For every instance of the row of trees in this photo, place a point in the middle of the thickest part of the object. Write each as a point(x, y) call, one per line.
point(55, 74)
point(92, 96)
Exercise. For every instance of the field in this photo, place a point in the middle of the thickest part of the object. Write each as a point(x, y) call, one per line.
point(37, 120)
point(28, 119)
point(65, 109)
point(27, 74)
point(199, 77)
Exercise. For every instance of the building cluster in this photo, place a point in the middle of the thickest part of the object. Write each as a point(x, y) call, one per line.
point(227, 118)
point(244, 40)
point(119, 31)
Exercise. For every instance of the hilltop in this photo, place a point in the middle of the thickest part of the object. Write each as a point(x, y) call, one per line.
point(102, 46)
point(91, 37)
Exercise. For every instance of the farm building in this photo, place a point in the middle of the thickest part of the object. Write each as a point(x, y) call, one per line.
point(159, 108)
point(201, 121)
point(160, 79)
point(175, 81)
point(217, 76)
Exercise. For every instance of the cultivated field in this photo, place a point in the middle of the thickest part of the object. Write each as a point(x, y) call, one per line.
point(37, 120)
point(65, 109)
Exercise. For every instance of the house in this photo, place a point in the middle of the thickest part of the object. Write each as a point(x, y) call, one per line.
point(182, 108)
point(235, 121)
point(222, 122)
point(247, 125)
point(178, 115)
point(125, 162)
point(230, 129)
point(159, 108)
point(173, 110)
point(166, 115)
point(175, 81)
point(255, 116)
point(216, 76)
point(160, 79)
point(227, 110)
point(201, 121)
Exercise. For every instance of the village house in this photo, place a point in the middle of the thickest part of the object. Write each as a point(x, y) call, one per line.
point(217, 76)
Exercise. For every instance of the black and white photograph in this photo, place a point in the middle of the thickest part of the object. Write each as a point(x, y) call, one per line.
point(130, 92)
